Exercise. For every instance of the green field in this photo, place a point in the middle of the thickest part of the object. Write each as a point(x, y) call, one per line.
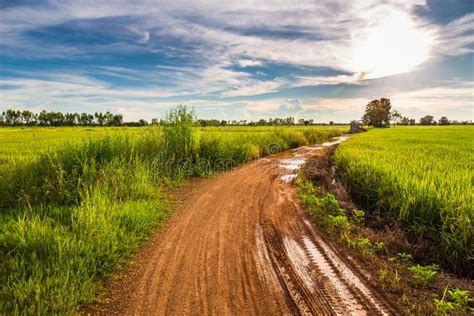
point(76, 202)
point(423, 176)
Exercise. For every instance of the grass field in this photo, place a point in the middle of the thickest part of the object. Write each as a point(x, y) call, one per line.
point(424, 177)
point(77, 201)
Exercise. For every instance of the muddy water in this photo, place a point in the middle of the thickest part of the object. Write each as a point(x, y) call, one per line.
point(300, 155)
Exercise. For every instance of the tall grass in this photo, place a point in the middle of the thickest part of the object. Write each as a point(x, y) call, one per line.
point(72, 215)
point(424, 177)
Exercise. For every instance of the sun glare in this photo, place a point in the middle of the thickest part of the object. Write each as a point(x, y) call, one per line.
point(392, 45)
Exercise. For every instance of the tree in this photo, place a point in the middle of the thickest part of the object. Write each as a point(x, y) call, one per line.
point(396, 117)
point(43, 118)
point(412, 122)
point(427, 120)
point(27, 117)
point(12, 117)
point(443, 121)
point(82, 119)
point(100, 118)
point(117, 120)
point(378, 113)
point(70, 119)
point(289, 120)
point(108, 118)
point(404, 120)
point(90, 119)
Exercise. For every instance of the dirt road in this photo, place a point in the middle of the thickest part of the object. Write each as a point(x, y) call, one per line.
point(239, 243)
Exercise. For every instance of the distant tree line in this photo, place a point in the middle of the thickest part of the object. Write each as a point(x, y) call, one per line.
point(262, 122)
point(379, 113)
point(12, 117)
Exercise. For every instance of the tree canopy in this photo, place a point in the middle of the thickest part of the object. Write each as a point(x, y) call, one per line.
point(378, 113)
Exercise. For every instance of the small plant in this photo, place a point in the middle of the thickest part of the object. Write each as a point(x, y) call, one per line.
point(383, 276)
point(367, 247)
point(336, 223)
point(407, 302)
point(377, 246)
point(330, 205)
point(406, 257)
point(358, 217)
point(395, 281)
point(422, 275)
point(456, 304)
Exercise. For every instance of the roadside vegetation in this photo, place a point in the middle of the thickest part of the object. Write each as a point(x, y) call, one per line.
point(414, 185)
point(417, 289)
point(73, 213)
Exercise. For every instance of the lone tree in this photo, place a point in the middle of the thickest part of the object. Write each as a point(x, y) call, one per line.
point(378, 113)
point(443, 121)
point(427, 120)
point(396, 117)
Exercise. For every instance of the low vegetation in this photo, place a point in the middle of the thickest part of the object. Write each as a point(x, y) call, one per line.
point(418, 289)
point(422, 177)
point(72, 214)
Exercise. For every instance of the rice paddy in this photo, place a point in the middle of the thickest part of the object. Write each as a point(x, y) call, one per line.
point(423, 177)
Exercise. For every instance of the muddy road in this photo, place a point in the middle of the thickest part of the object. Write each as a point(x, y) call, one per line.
point(239, 243)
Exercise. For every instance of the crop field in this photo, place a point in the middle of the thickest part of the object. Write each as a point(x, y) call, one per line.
point(423, 176)
point(77, 201)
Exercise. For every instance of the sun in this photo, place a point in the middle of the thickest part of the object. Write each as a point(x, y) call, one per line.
point(391, 44)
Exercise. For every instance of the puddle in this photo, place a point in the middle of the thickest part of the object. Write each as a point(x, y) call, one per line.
point(336, 140)
point(292, 164)
point(288, 178)
point(300, 155)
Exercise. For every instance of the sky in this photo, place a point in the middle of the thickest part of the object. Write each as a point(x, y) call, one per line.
point(238, 60)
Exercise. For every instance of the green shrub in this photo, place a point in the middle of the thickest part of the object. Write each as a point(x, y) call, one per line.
point(457, 302)
point(358, 216)
point(422, 275)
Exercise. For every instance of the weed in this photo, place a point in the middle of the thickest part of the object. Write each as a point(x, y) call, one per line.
point(422, 275)
point(405, 257)
point(456, 302)
point(358, 216)
point(383, 277)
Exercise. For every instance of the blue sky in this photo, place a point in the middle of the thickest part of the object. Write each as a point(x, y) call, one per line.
point(245, 60)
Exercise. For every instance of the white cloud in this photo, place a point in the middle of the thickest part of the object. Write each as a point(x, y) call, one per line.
point(254, 88)
point(456, 36)
point(249, 63)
